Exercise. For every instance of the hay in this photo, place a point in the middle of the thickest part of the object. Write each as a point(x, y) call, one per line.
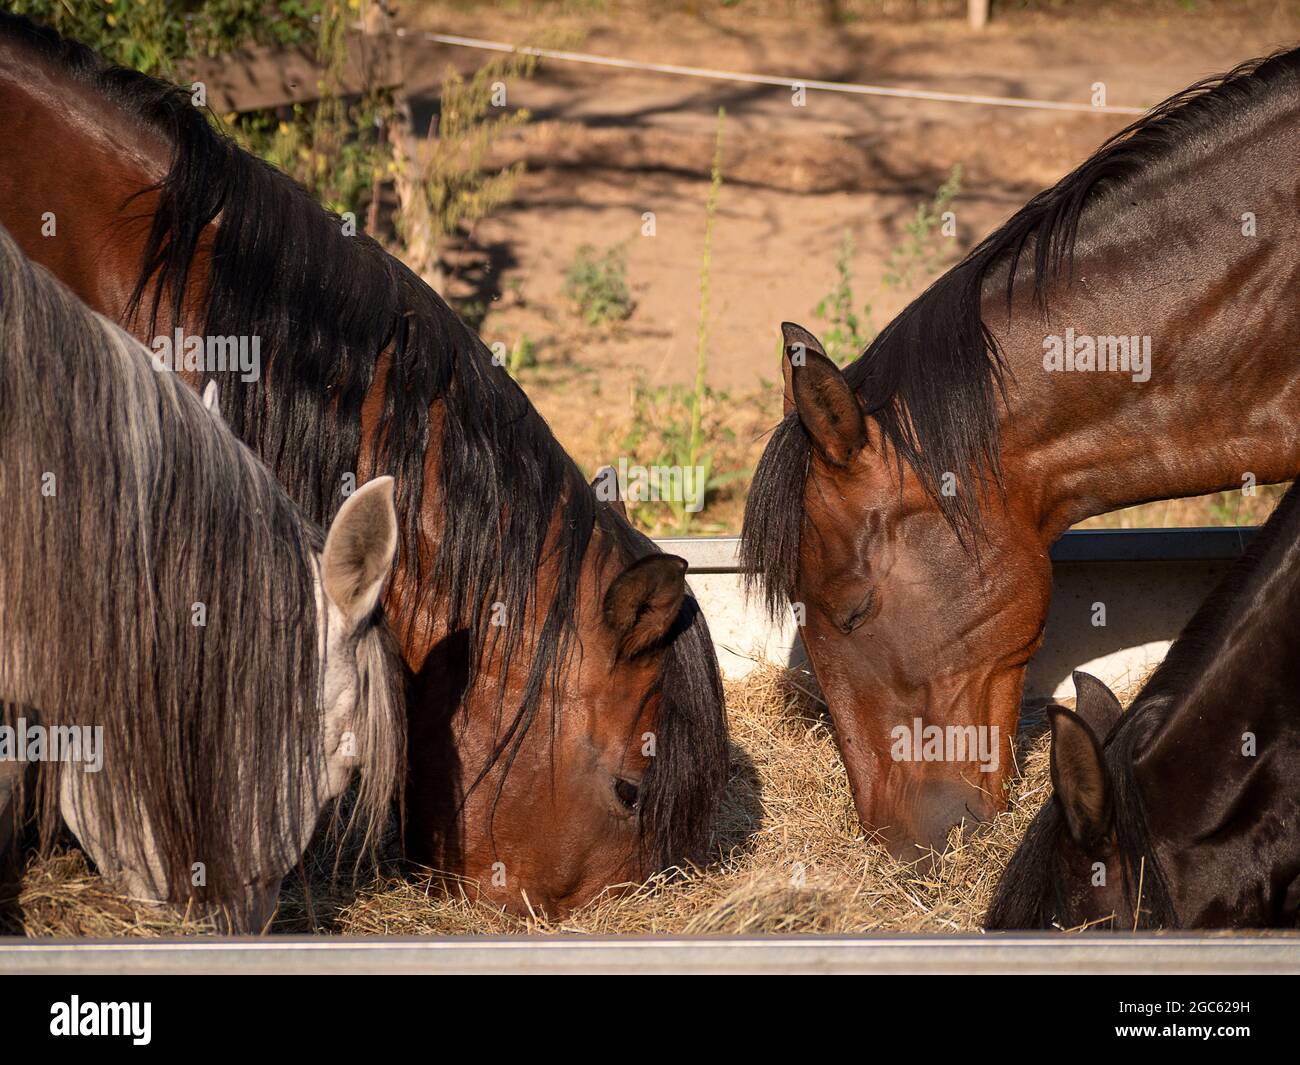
point(790, 857)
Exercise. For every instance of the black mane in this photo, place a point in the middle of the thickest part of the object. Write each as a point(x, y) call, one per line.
point(933, 377)
point(332, 311)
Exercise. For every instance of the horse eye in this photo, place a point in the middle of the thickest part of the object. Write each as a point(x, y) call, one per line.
point(858, 615)
point(628, 792)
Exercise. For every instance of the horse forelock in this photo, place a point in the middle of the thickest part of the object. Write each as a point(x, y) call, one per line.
point(380, 726)
point(687, 776)
point(1032, 889)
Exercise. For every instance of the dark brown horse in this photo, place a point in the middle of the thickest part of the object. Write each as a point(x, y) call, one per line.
point(566, 725)
point(1128, 335)
point(1181, 813)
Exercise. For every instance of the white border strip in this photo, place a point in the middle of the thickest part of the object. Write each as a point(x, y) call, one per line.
point(771, 79)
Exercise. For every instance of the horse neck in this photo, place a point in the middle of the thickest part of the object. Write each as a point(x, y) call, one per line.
point(1171, 264)
point(115, 158)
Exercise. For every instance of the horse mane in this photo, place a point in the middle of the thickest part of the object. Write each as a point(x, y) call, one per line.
point(933, 377)
point(212, 732)
point(336, 312)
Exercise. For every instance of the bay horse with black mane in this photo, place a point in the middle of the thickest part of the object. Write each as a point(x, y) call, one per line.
point(1181, 813)
point(189, 668)
point(565, 720)
point(1128, 335)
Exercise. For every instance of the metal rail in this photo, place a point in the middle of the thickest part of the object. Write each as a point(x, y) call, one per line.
point(721, 554)
point(880, 954)
point(778, 81)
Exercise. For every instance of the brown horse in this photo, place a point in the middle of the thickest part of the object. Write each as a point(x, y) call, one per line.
point(565, 724)
point(1128, 335)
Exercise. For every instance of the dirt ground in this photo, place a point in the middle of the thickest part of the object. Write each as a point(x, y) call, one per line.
point(605, 146)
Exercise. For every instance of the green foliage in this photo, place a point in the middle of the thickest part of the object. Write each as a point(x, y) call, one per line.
point(148, 36)
point(1236, 507)
point(672, 423)
point(337, 156)
point(330, 147)
point(921, 251)
point(286, 23)
point(523, 356)
point(337, 148)
point(459, 190)
point(596, 283)
point(663, 433)
point(847, 332)
point(155, 36)
point(696, 456)
point(444, 184)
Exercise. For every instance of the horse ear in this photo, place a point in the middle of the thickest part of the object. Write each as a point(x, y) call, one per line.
point(605, 485)
point(815, 387)
point(1096, 703)
point(359, 550)
point(1079, 777)
point(210, 398)
point(644, 601)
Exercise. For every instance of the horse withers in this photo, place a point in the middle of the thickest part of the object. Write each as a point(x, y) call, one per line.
point(1181, 813)
point(188, 669)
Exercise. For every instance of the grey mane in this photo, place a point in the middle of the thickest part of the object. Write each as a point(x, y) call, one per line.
point(158, 583)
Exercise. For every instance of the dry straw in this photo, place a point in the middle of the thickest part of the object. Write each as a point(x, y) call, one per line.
point(790, 857)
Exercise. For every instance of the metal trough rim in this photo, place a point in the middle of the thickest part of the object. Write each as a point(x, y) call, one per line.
point(960, 953)
point(721, 554)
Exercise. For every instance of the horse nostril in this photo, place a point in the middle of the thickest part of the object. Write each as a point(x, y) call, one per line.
point(628, 792)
